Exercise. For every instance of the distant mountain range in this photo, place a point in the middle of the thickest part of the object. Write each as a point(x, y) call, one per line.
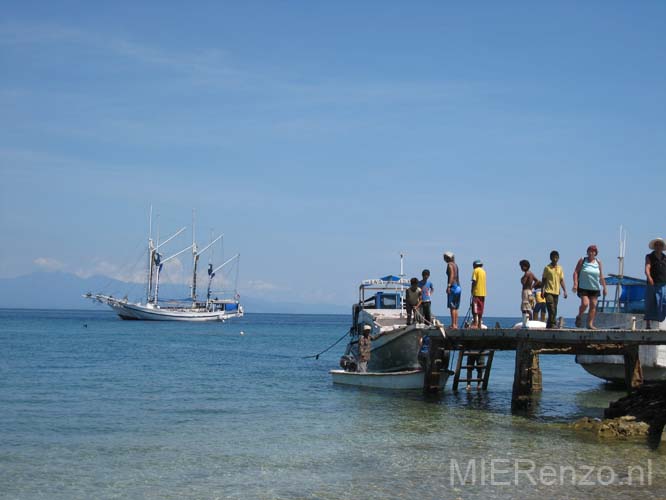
point(59, 290)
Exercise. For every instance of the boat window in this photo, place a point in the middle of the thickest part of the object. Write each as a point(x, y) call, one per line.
point(387, 300)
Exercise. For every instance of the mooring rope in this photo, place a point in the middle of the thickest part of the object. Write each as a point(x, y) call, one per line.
point(316, 356)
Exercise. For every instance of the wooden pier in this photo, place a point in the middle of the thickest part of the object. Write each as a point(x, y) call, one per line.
point(529, 343)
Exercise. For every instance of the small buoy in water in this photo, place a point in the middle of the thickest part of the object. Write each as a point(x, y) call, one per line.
point(85, 325)
point(242, 332)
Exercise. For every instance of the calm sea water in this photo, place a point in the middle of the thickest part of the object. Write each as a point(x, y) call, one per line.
point(95, 407)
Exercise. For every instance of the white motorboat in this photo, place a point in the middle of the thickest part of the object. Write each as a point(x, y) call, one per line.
point(408, 379)
point(192, 309)
point(396, 344)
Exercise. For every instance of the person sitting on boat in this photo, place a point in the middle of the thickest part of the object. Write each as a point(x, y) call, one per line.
point(453, 290)
point(426, 295)
point(655, 271)
point(413, 300)
point(528, 282)
point(588, 279)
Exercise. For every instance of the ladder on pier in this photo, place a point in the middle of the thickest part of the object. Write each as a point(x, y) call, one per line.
point(481, 361)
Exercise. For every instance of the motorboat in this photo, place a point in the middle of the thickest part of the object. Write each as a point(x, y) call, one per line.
point(394, 360)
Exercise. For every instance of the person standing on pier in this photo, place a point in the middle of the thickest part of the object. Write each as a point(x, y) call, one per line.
point(426, 295)
point(453, 290)
point(552, 280)
point(478, 293)
point(528, 281)
point(588, 278)
point(655, 271)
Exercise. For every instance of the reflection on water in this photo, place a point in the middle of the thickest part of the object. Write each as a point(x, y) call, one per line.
point(171, 411)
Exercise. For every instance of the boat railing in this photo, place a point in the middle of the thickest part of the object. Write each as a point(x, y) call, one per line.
point(620, 306)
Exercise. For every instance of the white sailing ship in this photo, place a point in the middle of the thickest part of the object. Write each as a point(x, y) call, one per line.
point(193, 309)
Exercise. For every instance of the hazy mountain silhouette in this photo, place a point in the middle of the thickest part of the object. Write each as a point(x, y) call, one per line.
point(60, 290)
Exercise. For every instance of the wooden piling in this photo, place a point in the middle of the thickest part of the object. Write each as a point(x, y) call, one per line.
point(633, 372)
point(526, 377)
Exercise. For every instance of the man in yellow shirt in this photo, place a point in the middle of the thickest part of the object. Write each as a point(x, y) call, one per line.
point(552, 281)
point(478, 293)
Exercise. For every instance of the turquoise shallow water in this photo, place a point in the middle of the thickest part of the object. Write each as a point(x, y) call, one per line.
point(123, 409)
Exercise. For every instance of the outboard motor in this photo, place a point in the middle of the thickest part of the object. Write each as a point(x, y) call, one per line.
point(348, 363)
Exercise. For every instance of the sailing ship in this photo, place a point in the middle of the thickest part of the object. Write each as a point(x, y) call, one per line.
point(191, 309)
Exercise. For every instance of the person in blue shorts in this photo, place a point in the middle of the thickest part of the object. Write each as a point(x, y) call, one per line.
point(453, 289)
point(426, 295)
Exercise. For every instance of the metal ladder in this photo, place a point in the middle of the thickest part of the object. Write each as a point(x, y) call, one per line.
point(483, 366)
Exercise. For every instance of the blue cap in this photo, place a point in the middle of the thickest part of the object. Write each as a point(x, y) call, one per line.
point(477, 262)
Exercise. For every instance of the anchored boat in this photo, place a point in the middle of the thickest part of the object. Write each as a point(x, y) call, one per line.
point(394, 360)
point(191, 309)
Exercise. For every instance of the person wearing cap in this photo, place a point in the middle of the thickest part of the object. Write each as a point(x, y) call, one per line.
point(453, 289)
point(552, 281)
point(655, 271)
point(426, 295)
point(364, 348)
point(478, 293)
point(588, 280)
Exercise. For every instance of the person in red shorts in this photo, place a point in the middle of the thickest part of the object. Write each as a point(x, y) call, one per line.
point(478, 293)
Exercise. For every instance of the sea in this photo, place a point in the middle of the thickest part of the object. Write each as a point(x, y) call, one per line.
point(95, 407)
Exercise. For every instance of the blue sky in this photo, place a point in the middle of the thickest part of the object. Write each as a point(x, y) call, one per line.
point(323, 138)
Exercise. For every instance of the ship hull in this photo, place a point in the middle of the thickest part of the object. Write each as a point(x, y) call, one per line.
point(141, 312)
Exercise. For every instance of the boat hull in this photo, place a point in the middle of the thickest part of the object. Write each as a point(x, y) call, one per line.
point(611, 367)
point(396, 350)
point(403, 380)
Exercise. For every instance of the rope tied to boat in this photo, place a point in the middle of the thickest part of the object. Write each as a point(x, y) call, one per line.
point(316, 356)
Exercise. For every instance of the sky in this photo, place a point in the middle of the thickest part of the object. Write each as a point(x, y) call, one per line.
point(324, 138)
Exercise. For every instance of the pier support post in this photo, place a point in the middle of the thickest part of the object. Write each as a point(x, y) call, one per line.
point(537, 379)
point(633, 372)
point(526, 377)
point(437, 363)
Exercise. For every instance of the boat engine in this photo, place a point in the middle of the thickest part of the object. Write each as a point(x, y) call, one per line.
point(348, 363)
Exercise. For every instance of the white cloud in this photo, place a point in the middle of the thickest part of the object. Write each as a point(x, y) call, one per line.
point(49, 263)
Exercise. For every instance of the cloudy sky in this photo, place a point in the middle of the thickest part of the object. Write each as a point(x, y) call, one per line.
point(323, 138)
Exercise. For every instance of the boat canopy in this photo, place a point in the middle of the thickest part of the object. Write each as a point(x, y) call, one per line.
point(631, 298)
point(614, 280)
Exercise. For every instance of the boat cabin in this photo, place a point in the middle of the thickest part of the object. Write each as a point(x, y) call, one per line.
point(382, 293)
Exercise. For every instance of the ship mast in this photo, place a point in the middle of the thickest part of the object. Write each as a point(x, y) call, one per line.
point(623, 247)
point(151, 251)
point(195, 260)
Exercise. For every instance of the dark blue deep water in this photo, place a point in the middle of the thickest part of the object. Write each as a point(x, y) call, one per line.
point(95, 407)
